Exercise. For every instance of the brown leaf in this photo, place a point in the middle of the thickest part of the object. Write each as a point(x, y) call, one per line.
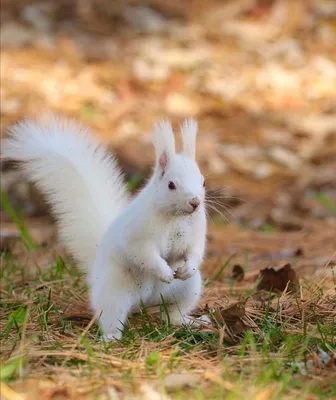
point(233, 313)
point(230, 318)
point(276, 280)
point(239, 327)
point(238, 273)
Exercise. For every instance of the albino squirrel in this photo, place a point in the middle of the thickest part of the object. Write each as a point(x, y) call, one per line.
point(136, 250)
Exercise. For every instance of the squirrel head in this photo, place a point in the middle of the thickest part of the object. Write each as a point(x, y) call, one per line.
point(179, 182)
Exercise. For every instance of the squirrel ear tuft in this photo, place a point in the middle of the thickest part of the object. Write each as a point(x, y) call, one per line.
point(189, 133)
point(164, 143)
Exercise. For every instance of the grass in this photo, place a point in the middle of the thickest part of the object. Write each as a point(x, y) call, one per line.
point(51, 344)
point(25, 235)
point(326, 202)
point(134, 181)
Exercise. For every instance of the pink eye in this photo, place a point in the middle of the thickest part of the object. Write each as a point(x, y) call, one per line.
point(171, 185)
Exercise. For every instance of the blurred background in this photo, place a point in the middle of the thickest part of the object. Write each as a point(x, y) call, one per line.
point(259, 75)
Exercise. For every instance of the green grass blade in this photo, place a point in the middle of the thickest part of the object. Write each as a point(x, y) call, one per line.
point(24, 233)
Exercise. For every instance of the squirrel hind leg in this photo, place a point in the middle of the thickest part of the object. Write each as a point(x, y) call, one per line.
point(113, 317)
point(111, 337)
point(114, 305)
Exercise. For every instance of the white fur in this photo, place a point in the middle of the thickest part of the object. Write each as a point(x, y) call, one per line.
point(163, 140)
point(189, 132)
point(137, 251)
point(81, 181)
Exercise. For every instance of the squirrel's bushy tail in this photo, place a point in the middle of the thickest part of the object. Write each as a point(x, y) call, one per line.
point(81, 181)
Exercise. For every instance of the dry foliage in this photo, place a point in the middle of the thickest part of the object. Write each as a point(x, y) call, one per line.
point(260, 76)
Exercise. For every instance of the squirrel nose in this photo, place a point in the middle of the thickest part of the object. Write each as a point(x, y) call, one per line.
point(195, 202)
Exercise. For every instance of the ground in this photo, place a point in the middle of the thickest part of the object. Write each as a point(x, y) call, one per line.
point(260, 77)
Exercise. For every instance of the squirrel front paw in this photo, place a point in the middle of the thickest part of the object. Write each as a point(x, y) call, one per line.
point(186, 271)
point(166, 275)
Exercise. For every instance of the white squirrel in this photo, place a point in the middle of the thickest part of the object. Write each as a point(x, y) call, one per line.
point(134, 251)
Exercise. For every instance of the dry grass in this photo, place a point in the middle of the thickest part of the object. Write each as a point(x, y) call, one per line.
point(260, 78)
point(273, 346)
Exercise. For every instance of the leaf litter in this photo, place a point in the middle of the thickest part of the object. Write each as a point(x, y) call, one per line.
point(278, 280)
point(260, 78)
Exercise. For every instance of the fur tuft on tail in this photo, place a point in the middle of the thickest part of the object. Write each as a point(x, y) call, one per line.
point(80, 179)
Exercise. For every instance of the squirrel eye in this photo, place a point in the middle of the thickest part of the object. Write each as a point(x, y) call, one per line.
point(204, 183)
point(171, 185)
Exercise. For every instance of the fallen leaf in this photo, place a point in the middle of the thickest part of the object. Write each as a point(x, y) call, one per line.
point(232, 324)
point(238, 273)
point(277, 280)
point(233, 313)
point(239, 327)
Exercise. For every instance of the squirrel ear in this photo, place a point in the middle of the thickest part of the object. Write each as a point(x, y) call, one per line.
point(188, 133)
point(163, 162)
point(164, 143)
